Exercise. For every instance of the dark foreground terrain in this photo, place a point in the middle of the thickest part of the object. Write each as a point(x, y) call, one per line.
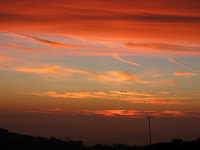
point(13, 141)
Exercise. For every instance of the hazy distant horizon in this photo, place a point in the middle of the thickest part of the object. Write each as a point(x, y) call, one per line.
point(100, 130)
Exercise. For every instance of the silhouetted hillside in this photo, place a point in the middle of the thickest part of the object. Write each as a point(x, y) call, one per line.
point(14, 141)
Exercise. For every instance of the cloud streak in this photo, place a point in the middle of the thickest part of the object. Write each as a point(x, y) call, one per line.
point(46, 42)
point(117, 57)
point(66, 52)
point(181, 65)
point(140, 114)
point(106, 76)
point(129, 97)
point(43, 70)
point(86, 72)
point(163, 48)
point(119, 76)
point(73, 95)
point(185, 74)
point(129, 49)
point(111, 94)
point(153, 100)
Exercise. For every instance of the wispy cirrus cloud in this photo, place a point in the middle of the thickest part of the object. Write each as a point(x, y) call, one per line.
point(116, 76)
point(86, 72)
point(46, 42)
point(66, 52)
point(117, 57)
point(164, 48)
point(107, 51)
point(119, 76)
point(15, 46)
point(111, 76)
point(180, 65)
point(13, 66)
point(55, 44)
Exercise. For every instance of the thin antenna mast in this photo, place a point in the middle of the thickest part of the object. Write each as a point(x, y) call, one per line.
point(149, 118)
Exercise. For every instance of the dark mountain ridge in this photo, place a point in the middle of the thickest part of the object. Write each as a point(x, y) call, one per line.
point(9, 140)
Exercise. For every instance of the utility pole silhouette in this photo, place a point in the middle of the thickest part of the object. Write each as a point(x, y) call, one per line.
point(149, 118)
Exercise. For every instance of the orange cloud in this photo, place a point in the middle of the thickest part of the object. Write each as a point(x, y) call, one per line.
point(120, 76)
point(165, 92)
point(117, 57)
point(158, 75)
point(113, 113)
point(86, 72)
point(116, 76)
point(102, 51)
point(185, 74)
point(113, 94)
point(57, 44)
point(140, 114)
point(105, 20)
point(111, 75)
point(130, 97)
point(68, 52)
point(51, 69)
point(46, 42)
point(14, 46)
point(125, 92)
point(73, 95)
point(152, 100)
point(162, 47)
point(124, 76)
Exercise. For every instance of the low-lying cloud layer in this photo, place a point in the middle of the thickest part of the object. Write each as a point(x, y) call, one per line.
point(123, 95)
point(140, 114)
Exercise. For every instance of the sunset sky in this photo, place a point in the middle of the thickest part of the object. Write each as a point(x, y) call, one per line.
point(93, 69)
